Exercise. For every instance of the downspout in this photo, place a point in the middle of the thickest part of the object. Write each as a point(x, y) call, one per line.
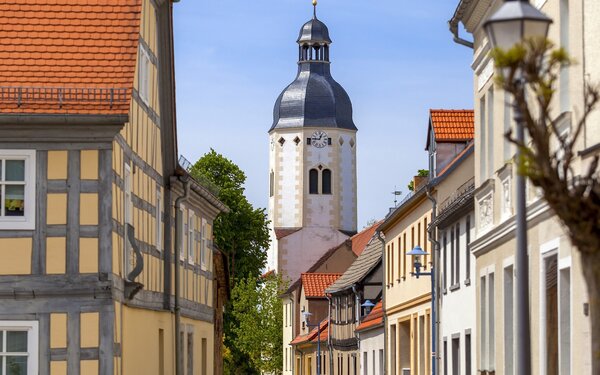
point(357, 322)
point(385, 327)
point(178, 244)
point(431, 232)
point(329, 347)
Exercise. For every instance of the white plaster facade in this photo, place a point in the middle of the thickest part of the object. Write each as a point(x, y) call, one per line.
point(371, 351)
point(554, 265)
point(320, 216)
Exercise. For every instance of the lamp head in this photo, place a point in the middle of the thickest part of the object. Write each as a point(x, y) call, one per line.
point(515, 21)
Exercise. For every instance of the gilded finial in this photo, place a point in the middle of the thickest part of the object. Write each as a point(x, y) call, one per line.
point(314, 2)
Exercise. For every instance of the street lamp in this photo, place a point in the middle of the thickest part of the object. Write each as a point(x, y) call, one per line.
point(417, 253)
point(367, 305)
point(514, 22)
point(306, 315)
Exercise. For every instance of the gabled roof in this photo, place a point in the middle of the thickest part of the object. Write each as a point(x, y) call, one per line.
point(360, 240)
point(374, 319)
point(360, 268)
point(451, 125)
point(314, 284)
point(68, 56)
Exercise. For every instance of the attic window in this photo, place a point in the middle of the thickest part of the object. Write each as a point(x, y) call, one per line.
point(297, 141)
point(281, 141)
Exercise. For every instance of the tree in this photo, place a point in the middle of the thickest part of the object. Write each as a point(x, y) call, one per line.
point(259, 312)
point(550, 157)
point(242, 234)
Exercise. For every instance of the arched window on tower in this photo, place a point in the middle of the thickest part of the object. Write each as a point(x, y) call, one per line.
point(326, 181)
point(313, 181)
point(272, 184)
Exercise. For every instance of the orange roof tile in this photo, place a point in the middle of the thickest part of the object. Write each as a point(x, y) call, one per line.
point(452, 124)
point(374, 319)
point(361, 239)
point(314, 284)
point(68, 56)
point(284, 232)
point(313, 335)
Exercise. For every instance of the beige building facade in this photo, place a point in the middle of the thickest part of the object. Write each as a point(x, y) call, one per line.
point(560, 326)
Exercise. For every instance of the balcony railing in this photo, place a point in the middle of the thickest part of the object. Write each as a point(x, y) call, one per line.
point(62, 95)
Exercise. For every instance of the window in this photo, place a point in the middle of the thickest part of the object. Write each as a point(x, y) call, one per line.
point(491, 325)
point(468, 250)
point(508, 321)
point(161, 352)
point(190, 353)
point(19, 347)
point(326, 183)
point(144, 76)
point(381, 362)
point(457, 254)
point(365, 364)
point(507, 146)
point(565, 101)
point(565, 321)
point(271, 184)
point(549, 321)
point(190, 237)
point(445, 356)
point(313, 181)
point(452, 260)
point(392, 264)
point(455, 355)
point(17, 189)
point(158, 229)
point(393, 349)
point(180, 220)
point(468, 359)
point(445, 259)
point(203, 243)
point(204, 357)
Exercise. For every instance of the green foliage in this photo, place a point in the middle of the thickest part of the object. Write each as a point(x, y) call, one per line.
point(258, 311)
point(420, 173)
point(243, 235)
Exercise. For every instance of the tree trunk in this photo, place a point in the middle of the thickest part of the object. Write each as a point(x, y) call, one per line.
point(590, 262)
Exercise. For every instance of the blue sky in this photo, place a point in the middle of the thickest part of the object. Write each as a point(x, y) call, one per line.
point(395, 58)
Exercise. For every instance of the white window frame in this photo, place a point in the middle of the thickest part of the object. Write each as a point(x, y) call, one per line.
point(203, 243)
point(32, 328)
point(190, 238)
point(547, 250)
point(144, 76)
point(27, 221)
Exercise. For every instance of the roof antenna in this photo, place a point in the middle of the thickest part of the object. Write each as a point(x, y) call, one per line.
point(315, 6)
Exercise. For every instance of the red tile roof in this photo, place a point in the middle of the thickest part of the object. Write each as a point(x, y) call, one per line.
point(374, 319)
point(69, 51)
point(361, 239)
point(313, 335)
point(314, 284)
point(452, 125)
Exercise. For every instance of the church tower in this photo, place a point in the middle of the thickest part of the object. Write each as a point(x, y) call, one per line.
point(312, 160)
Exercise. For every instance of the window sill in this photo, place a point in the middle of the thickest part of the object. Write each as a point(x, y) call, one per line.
point(455, 287)
point(445, 291)
point(17, 225)
point(468, 282)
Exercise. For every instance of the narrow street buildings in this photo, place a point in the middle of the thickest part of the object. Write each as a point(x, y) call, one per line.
point(560, 327)
point(100, 274)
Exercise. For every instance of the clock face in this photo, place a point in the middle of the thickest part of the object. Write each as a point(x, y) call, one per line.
point(319, 139)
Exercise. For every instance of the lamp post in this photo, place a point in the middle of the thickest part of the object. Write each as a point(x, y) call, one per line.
point(306, 316)
point(416, 253)
point(367, 305)
point(514, 22)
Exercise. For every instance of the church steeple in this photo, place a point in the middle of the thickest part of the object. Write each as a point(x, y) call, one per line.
point(314, 40)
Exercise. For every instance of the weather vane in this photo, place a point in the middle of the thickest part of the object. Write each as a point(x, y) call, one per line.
point(396, 193)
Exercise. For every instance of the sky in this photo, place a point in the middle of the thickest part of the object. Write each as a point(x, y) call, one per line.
point(395, 58)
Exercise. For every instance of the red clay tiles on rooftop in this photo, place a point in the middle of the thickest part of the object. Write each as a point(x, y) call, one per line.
point(314, 284)
point(85, 44)
point(452, 124)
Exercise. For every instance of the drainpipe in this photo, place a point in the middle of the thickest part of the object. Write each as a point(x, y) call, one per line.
point(385, 327)
point(435, 306)
point(178, 244)
point(329, 347)
point(357, 314)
